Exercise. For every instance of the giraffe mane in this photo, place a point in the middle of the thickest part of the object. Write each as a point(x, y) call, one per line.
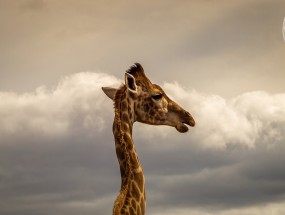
point(135, 68)
point(142, 80)
point(117, 106)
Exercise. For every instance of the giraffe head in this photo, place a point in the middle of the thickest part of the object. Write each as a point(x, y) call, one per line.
point(150, 103)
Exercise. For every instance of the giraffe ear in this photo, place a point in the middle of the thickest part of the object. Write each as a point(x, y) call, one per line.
point(110, 92)
point(130, 82)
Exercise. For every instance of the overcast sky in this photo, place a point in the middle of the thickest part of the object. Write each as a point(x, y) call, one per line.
point(223, 61)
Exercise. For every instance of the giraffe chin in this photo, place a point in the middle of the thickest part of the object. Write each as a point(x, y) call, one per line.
point(181, 128)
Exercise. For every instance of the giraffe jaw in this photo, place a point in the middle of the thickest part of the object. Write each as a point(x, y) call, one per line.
point(182, 128)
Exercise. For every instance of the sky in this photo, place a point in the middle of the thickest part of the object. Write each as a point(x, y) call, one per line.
point(223, 61)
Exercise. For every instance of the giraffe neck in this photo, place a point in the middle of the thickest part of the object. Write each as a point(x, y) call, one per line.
point(132, 194)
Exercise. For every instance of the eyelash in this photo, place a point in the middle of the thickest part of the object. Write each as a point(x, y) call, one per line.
point(157, 96)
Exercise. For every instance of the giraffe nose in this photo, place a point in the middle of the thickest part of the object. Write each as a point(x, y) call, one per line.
point(190, 120)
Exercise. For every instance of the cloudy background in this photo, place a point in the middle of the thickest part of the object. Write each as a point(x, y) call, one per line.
point(223, 61)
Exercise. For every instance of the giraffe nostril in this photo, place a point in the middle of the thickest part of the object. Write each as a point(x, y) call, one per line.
point(188, 114)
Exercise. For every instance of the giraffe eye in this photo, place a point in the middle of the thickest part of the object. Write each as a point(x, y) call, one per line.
point(157, 96)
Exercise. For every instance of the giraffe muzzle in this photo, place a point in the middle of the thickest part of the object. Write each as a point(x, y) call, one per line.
point(190, 120)
point(186, 119)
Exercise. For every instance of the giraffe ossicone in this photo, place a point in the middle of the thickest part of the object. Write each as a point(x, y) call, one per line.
point(139, 100)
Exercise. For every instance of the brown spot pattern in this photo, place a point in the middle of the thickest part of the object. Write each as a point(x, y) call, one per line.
point(135, 191)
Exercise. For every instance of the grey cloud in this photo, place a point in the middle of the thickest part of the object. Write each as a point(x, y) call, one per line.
point(32, 5)
point(249, 131)
point(223, 34)
point(216, 181)
point(54, 148)
point(206, 43)
point(231, 161)
point(53, 175)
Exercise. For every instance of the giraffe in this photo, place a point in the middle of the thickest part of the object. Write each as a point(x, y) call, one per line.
point(139, 100)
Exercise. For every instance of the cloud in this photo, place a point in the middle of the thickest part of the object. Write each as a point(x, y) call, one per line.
point(66, 37)
point(76, 102)
point(276, 209)
point(33, 5)
point(247, 119)
point(57, 149)
point(44, 134)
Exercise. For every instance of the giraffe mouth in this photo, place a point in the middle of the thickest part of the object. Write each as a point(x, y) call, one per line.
point(182, 128)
